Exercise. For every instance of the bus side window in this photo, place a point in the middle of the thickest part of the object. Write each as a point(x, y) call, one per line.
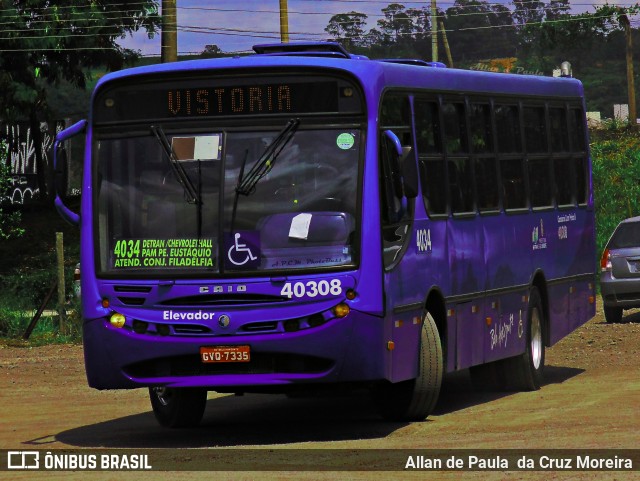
point(486, 175)
point(540, 182)
point(576, 131)
point(582, 179)
point(514, 194)
point(513, 187)
point(508, 127)
point(458, 163)
point(535, 130)
point(392, 208)
point(558, 129)
point(396, 209)
point(484, 163)
point(432, 174)
point(563, 183)
point(455, 130)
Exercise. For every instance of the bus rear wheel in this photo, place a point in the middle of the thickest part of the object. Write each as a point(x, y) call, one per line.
point(526, 371)
point(178, 407)
point(415, 399)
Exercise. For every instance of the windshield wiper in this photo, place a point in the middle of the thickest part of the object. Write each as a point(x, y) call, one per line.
point(247, 184)
point(190, 191)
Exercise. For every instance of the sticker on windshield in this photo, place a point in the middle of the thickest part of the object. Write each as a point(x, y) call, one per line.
point(242, 249)
point(158, 253)
point(345, 141)
point(199, 147)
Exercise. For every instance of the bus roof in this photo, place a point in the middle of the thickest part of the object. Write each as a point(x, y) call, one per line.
point(377, 74)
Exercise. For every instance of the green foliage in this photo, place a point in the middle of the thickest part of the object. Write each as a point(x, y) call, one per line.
point(616, 179)
point(44, 41)
point(24, 290)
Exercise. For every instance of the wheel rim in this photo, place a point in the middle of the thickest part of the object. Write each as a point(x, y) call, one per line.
point(163, 394)
point(536, 339)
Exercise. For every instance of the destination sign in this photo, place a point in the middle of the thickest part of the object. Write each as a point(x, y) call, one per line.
point(279, 98)
point(202, 98)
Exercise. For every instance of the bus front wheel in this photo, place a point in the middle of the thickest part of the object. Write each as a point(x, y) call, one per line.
point(414, 400)
point(178, 407)
point(526, 371)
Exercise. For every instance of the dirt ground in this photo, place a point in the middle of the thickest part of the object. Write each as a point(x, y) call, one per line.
point(591, 399)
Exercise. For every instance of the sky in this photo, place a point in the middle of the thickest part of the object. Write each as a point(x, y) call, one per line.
point(235, 26)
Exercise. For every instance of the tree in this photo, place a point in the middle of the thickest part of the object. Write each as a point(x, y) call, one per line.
point(396, 26)
point(576, 37)
point(347, 28)
point(45, 41)
point(556, 9)
point(212, 51)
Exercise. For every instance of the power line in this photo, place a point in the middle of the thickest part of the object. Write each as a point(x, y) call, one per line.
point(246, 32)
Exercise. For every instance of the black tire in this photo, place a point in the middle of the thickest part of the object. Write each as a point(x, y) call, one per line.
point(526, 371)
point(613, 314)
point(415, 399)
point(178, 407)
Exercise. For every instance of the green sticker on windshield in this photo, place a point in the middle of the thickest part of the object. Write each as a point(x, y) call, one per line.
point(158, 253)
point(345, 141)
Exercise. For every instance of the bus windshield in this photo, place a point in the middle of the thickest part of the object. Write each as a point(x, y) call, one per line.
point(169, 200)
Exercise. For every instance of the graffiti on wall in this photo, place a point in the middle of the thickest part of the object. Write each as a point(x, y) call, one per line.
point(21, 158)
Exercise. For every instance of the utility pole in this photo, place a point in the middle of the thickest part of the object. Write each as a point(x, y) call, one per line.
point(284, 22)
point(169, 37)
point(446, 44)
point(624, 20)
point(434, 31)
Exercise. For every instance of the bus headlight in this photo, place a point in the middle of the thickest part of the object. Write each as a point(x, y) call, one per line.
point(117, 320)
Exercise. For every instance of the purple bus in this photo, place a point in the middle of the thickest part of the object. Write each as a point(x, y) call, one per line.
point(303, 218)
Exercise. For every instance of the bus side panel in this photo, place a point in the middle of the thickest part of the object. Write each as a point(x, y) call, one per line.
point(559, 320)
point(571, 302)
point(404, 292)
point(465, 240)
point(507, 258)
point(470, 333)
point(423, 265)
point(582, 238)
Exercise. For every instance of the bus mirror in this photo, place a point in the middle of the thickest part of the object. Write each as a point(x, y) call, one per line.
point(60, 166)
point(409, 173)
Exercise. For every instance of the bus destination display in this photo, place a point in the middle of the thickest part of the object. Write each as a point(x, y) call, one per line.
point(187, 101)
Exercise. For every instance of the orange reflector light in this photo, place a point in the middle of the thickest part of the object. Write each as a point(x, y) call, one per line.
point(592, 299)
point(105, 303)
point(488, 321)
point(391, 345)
point(117, 320)
point(351, 294)
point(341, 310)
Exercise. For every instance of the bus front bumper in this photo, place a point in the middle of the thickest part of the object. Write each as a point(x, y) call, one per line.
point(351, 349)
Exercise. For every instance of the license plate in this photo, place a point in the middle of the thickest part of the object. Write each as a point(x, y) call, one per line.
point(225, 354)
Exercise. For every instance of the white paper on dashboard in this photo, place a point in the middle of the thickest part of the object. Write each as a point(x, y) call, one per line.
point(300, 226)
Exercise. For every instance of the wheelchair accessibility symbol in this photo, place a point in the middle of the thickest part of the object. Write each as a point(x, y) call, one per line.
point(244, 249)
